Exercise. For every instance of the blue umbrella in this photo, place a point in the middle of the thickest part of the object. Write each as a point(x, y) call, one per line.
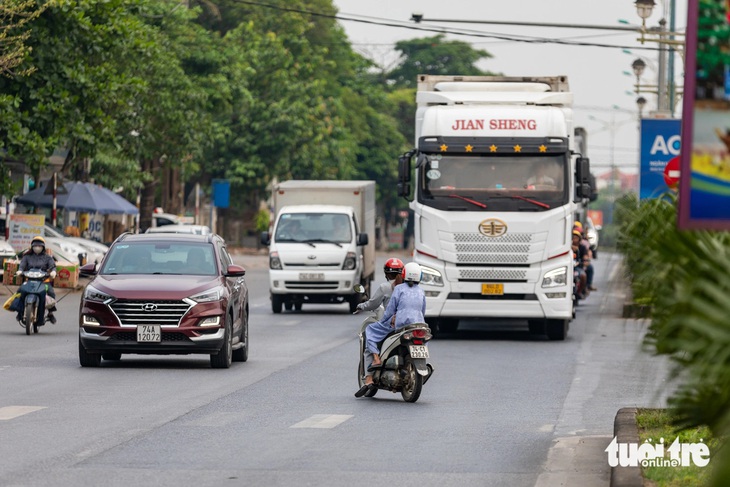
point(81, 197)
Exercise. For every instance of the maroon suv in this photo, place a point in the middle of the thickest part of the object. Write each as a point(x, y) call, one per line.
point(165, 294)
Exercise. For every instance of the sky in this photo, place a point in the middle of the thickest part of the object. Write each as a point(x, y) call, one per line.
point(604, 94)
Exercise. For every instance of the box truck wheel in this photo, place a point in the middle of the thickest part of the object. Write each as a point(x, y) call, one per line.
point(288, 305)
point(276, 302)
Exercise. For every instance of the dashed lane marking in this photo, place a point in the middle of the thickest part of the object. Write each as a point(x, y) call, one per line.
point(12, 412)
point(323, 421)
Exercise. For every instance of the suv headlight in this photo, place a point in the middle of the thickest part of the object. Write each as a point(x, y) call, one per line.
point(556, 277)
point(207, 296)
point(93, 294)
point(430, 276)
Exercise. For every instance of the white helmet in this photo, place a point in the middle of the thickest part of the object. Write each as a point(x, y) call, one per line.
point(412, 272)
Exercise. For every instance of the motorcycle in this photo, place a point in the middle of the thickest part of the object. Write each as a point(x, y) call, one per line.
point(34, 304)
point(404, 356)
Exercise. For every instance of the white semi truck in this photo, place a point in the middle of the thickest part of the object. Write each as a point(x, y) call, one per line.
point(322, 242)
point(494, 193)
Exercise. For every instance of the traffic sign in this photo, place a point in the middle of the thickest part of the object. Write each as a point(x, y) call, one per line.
point(671, 172)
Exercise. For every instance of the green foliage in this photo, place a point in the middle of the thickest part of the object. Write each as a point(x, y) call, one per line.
point(685, 275)
point(262, 220)
point(435, 55)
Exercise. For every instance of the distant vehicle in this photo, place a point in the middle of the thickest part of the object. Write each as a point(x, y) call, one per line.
point(162, 219)
point(6, 252)
point(191, 229)
point(95, 251)
point(165, 294)
point(592, 236)
point(65, 246)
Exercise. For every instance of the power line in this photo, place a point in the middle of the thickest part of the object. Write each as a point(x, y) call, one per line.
point(390, 23)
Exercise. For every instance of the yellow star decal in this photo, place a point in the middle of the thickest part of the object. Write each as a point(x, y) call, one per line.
point(444, 147)
point(492, 148)
point(469, 148)
point(518, 148)
point(543, 148)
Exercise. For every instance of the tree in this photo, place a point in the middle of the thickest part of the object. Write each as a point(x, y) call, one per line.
point(435, 55)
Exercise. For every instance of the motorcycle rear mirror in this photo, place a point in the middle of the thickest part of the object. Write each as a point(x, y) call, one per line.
point(359, 288)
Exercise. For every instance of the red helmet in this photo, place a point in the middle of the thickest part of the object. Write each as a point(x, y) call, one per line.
point(393, 266)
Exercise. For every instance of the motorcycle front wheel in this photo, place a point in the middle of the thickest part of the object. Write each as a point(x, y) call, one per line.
point(29, 318)
point(413, 382)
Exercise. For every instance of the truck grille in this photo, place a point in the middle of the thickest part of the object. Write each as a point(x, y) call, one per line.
point(492, 275)
point(311, 285)
point(478, 237)
point(510, 249)
point(139, 312)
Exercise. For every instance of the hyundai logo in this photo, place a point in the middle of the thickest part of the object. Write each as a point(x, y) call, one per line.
point(149, 307)
point(493, 227)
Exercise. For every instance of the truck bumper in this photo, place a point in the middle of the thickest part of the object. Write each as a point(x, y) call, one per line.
point(518, 301)
point(312, 282)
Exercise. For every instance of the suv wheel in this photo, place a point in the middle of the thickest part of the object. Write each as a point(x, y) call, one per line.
point(87, 359)
point(223, 359)
point(241, 354)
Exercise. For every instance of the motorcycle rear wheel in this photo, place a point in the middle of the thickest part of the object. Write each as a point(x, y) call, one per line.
point(413, 382)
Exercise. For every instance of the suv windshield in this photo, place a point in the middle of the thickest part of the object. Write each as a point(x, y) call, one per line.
point(160, 258)
point(499, 182)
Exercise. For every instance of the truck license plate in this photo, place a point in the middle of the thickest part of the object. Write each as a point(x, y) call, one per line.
point(493, 289)
point(148, 333)
point(418, 351)
point(311, 276)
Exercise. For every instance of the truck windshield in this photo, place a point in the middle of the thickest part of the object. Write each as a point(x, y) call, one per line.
point(314, 227)
point(500, 183)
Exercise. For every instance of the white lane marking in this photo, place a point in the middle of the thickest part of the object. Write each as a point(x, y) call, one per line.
point(12, 412)
point(323, 421)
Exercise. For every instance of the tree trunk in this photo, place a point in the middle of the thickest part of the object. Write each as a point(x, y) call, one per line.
point(147, 200)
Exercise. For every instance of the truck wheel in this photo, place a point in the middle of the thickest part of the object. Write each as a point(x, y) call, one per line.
point(557, 329)
point(288, 306)
point(276, 302)
point(298, 306)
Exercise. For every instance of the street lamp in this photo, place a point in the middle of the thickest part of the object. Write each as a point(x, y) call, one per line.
point(644, 9)
point(638, 67)
point(641, 103)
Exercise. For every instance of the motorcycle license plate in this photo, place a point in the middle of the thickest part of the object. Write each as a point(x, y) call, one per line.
point(493, 289)
point(311, 276)
point(418, 351)
point(149, 333)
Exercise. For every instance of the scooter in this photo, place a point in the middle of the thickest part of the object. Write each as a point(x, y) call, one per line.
point(404, 355)
point(34, 286)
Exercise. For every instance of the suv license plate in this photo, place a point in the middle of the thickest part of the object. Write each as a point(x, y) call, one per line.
point(418, 351)
point(493, 289)
point(149, 333)
point(311, 276)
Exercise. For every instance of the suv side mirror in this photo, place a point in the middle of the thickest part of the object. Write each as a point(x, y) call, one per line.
point(234, 270)
point(87, 270)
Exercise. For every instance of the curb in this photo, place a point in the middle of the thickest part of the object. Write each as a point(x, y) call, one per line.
point(626, 430)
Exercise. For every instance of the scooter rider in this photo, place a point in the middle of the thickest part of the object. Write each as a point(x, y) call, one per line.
point(394, 275)
point(38, 258)
point(408, 304)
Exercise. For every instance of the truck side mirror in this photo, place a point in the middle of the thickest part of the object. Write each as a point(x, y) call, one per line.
point(362, 239)
point(404, 167)
point(582, 170)
point(265, 238)
point(404, 189)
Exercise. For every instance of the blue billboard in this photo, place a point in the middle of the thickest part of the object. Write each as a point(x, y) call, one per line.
point(660, 142)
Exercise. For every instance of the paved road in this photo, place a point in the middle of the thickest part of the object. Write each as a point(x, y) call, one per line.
point(503, 408)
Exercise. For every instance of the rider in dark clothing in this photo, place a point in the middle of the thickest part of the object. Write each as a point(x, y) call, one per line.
point(38, 258)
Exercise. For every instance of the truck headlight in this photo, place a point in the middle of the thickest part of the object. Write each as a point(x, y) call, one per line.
point(431, 277)
point(556, 277)
point(274, 261)
point(350, 262)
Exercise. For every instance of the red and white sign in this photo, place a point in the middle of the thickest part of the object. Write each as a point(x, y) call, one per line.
point(671, 172)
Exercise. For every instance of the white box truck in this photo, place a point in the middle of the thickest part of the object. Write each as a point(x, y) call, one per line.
point(495, 189)
point(322, 242)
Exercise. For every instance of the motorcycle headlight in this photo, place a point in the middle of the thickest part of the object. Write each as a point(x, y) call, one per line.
point(93, 294)
point(431, 277)
point(556, 277)
point(207, 296)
